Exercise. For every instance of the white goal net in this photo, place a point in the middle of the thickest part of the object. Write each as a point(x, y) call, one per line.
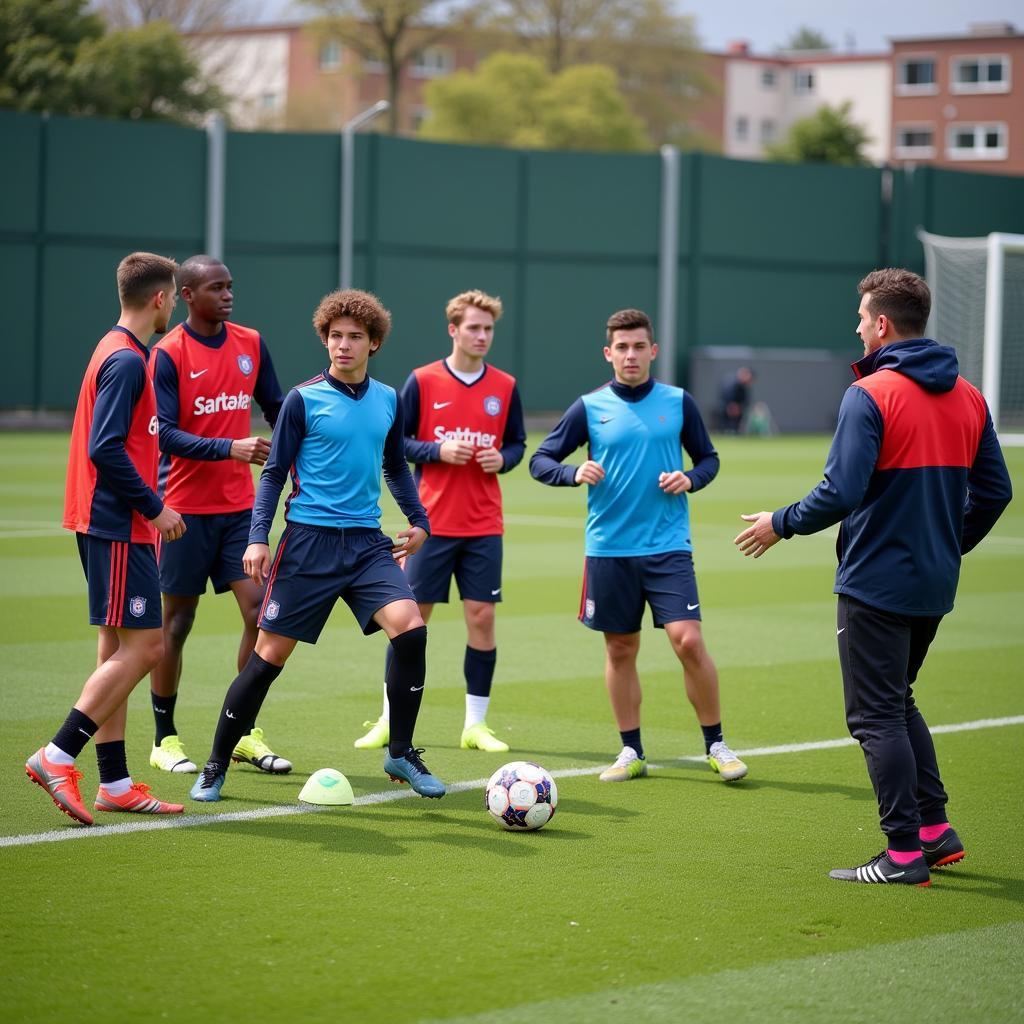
point(978, 307)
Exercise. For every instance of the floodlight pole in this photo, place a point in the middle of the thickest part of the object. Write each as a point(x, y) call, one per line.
point(348, 174)
point(668, 264)
point(215, 170)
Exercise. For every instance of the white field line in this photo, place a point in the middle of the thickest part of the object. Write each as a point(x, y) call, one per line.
point(387, 796)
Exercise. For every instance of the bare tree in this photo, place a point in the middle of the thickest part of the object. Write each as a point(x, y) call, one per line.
point(184, 15)
point(391, 32)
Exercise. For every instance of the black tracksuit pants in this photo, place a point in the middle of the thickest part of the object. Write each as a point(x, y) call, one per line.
point(881, 654)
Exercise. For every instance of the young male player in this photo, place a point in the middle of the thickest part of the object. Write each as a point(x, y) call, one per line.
point(111, 504)
point(207, 372)
point(916, 478)
point(334, 433)
point(464, 426)
point(638, 548)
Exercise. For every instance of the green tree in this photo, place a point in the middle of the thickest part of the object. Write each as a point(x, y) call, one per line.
point(55, 56)
point(38, 43)
point(653, 50)
point(828, 136)
point(392, 32)
point(807, 39)
point(514, 100)
point(143, 72)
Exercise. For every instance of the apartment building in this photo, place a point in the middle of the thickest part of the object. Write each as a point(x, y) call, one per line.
point(958, 101)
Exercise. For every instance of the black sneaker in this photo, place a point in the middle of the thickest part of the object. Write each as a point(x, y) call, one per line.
point(882, 869)
point(947, 849)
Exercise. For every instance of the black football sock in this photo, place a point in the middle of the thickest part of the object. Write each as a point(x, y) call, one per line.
point(478, 667)
point(163, 714)
point(712, 734)
point(111, 761)
point(242, 703)
point(631, 738)
point(76, 731)
point(405, 686)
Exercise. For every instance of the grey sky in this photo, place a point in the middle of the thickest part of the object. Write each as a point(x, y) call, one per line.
point(766, 26)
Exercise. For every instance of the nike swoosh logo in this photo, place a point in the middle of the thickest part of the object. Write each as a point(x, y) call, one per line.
point(838, 631)
point(899, 874)
point(441, 405)
point(228, 713)
point(607, 419)
point(690, 607)
point(196, 373)
point(415, 689)
point(498, 591)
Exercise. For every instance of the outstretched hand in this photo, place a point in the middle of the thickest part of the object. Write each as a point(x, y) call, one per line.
point(759, 537)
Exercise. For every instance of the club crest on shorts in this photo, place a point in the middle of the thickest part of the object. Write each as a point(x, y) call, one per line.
point(137, 606)
point(588, 608)
point(273, 609)
point(492, 405)
point(245, 364)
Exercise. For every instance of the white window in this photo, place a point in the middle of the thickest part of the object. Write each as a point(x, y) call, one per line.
point(915, 141)
point(374, 67)
point(768, 78)
point(767, 130)
point(977, 141)
point(915, 76)
point(330, 55)
point(803, 82)
point(742, 128)
point(432, 62)
point(990, 73)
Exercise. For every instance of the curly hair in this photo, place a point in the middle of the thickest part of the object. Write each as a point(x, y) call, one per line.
point(628, 320)
point(900, 295)
point(364, 308)
point(456, 308)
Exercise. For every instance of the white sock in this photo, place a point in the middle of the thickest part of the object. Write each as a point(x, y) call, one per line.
point(385, 712)
point(57, 756)
point(118, 788)
point(476, 709)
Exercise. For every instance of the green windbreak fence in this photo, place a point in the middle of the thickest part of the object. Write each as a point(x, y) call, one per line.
point(768, 255)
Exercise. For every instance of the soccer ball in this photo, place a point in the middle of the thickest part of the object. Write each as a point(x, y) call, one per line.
point(521, 795)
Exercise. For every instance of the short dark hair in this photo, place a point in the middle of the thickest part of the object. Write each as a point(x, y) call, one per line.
point(901, 296)
point(141, 275)
point(193, 270)
point(629, 320)
point(364, 308)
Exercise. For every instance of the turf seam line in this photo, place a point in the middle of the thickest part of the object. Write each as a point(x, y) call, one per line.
point(388, 796)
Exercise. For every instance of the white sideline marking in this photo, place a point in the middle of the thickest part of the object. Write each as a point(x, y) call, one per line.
point(390, 795)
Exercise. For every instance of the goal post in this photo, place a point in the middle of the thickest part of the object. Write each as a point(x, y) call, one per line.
point(978, 307)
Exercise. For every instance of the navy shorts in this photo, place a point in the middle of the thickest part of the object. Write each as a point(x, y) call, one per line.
point(124, 584)
point(475, 562)
point(615, 591)
point(315, 565)
point(211, 549)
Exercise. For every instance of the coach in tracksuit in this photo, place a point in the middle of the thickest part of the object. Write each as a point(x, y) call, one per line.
point(916, 477)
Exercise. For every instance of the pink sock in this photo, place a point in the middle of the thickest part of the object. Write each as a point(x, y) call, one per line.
point(929, 833)
point(903, 856)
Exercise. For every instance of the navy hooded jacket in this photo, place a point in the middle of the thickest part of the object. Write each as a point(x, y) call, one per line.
point(916, 476)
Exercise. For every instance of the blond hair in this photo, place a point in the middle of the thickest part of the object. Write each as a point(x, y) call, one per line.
point(456, 308)
point(141, 275)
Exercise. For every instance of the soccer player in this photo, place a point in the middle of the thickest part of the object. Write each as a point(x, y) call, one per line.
point(334, 433)
point(464, 426)
point(916, 478)
point(207, 372)
point(638, 548)
point(111, 504)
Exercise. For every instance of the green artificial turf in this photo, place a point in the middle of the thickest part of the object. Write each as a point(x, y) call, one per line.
point(677, 897)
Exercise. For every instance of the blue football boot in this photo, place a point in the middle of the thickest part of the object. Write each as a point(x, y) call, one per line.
point(207, 787)
point(410, 768)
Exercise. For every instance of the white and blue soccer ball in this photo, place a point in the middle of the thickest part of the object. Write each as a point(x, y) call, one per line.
point(521, 796)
